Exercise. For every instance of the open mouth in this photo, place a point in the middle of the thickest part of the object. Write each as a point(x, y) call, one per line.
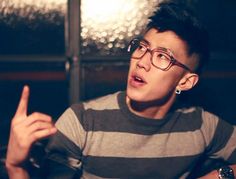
point(138, 79)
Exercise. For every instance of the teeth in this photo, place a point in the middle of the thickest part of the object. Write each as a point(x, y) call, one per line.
point(138, 79)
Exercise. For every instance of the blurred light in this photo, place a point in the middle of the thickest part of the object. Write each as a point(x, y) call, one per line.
point(24, 7)
point(36, 3)
point(32, 26)
point(108, 25)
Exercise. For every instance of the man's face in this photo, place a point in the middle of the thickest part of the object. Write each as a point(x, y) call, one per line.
point(147, 83)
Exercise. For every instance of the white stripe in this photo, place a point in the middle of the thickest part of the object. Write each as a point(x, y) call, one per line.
point(105, 102)
point(110, 144)
point(70, 126)
point(209, 125)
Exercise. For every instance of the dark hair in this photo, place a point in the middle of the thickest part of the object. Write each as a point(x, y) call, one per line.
point(180, 19)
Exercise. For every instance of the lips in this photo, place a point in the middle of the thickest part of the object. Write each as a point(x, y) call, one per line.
point(137, 80)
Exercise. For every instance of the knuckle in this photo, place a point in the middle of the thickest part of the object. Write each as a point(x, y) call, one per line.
point(35, 114)
point(24, 143)
point(38, 125)
point(14, 129)
point(34, 137)
point(50, 118)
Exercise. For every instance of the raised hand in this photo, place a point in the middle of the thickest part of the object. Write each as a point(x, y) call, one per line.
point(25, 130)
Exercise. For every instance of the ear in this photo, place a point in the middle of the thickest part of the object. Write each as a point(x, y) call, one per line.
point(187, 82)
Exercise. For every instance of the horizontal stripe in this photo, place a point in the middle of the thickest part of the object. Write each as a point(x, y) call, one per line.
point(229, 148)
point(64, 151)
point(70, 126)
point(87, 175)
point(110, 167)
point(221, 135)
point(111, 144)
point(101, 103)
point(187, 110)
point(114, 120)
point(232, 158)
point(208, 128)
point(122, 120)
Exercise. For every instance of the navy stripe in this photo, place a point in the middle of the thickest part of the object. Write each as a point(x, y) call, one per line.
point(219, 141)
point(232, 158)
point(110, 167)
point(122, 120)
point(113, 120)
point(59, 144)
point(78, 108)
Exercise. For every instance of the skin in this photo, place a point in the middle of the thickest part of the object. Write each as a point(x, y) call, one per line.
point(151, 98)
point(25, 130)
point(154, 96)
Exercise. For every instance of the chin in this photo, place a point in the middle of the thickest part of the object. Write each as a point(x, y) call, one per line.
point(141, 96)
point(138, 96)
point(134, 95)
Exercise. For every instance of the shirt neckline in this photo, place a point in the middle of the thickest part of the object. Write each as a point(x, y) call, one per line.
point(139, 119)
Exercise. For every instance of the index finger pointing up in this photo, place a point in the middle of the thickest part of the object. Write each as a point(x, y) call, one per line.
point(23, 104)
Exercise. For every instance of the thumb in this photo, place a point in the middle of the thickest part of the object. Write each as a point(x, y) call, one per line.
point(23, 104)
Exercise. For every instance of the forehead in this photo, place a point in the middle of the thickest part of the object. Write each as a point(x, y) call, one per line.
point(168, 40)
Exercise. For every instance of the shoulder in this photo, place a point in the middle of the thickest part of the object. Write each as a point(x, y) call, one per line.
point(198, 118)
point(77, 111)
point(105, 102)
point(197, 112)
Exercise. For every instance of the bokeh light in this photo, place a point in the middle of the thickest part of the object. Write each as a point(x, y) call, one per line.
point(108, 25)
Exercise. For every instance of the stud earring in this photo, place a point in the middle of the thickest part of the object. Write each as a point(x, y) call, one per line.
point(178, 91)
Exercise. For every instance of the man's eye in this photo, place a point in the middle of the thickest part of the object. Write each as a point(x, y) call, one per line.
point(162, 56)
point(142, 47)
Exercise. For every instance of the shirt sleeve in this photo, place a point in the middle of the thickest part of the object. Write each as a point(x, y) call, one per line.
point(64, 150)
point(222, 138)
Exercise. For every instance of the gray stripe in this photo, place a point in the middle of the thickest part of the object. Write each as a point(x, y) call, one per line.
point(187, 110)
point(185, 175)
point(209, 125)
point(87, 175)
point(105, 102)
point(110, 144)
point(70, 126)
point(229, 148)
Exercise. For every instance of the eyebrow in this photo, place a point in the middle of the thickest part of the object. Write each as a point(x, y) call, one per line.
point(162, 48)
point(146, 41)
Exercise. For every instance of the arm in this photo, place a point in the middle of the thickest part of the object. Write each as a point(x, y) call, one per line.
point(25, 130)
point(64, 149)
point(222, 144)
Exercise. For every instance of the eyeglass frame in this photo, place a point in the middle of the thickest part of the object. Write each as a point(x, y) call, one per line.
point(173, 61)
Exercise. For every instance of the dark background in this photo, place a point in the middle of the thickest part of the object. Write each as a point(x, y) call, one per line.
point(33, 53)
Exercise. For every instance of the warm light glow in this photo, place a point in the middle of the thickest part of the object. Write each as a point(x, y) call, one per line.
point(106, 10)
point(37, 4)
point(106, 25)
point(112, 23)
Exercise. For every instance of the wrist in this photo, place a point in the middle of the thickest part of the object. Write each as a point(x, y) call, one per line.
point(16, 172)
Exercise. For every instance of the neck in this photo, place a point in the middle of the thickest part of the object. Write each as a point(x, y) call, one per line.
point(154, 109)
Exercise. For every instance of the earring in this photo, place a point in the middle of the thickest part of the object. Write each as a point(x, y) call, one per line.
point(178, 91)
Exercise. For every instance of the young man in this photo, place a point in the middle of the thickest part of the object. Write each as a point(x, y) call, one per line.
point(142, 132)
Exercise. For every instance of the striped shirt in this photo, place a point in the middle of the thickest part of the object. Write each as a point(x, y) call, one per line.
point(103, 139)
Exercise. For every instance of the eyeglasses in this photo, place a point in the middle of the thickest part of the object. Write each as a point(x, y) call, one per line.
point(161, 58)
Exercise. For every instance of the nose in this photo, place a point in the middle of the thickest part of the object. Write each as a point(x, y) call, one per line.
point(145, 62)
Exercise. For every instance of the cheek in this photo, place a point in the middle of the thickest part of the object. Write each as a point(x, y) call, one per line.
point(133, 63)
point(163, 83)
point(132, 66)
